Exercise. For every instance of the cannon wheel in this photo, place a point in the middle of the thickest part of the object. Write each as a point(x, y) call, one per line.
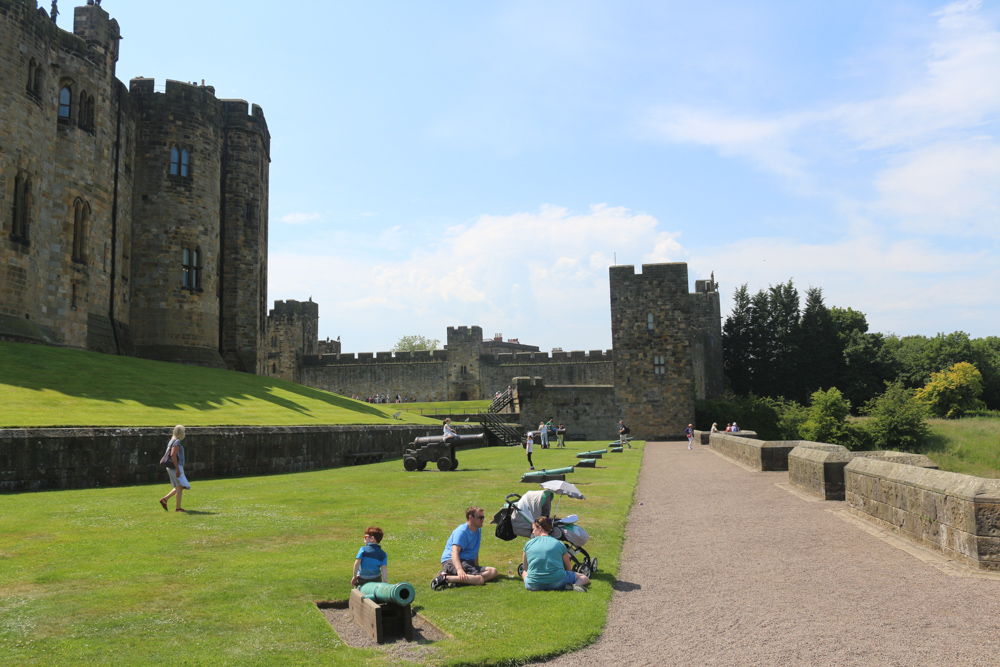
point(454, 464)
point(520, 569)
point(421, 465)
point(410, 463)
point(444, 464)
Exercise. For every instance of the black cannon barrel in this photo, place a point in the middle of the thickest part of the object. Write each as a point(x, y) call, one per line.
point(467, 439)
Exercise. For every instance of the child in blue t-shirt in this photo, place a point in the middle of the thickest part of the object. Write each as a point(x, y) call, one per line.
point(371, 564)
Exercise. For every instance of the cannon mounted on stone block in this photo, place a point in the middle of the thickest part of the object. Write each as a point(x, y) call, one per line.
point(434, 448)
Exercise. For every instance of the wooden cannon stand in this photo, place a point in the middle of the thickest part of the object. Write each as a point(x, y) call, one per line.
point(380, 620)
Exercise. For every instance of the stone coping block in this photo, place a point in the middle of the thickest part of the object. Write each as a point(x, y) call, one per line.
point(956, 514)
point(757, 454)
point(818, 468)
point(702, 437)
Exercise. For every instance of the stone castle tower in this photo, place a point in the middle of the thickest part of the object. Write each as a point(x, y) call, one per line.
point(293, 332)
point(465, 347)
point(133, 221)
point(667, 347)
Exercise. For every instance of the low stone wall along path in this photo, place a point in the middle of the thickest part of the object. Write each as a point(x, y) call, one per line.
point(722, 566)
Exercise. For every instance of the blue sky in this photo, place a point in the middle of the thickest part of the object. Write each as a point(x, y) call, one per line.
point(449, 163)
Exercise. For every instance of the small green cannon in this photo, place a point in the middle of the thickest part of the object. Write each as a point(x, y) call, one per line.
point(616, 450)
point(546, 475)
point(595, 454)
point(401, 593)
point(586, 463)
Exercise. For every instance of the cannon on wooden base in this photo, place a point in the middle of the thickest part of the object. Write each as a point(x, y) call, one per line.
point(586, 463)
point(616, 450)
point(435, 449)
point(595, 454)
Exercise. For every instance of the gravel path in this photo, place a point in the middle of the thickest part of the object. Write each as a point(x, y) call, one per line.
point(723, 567)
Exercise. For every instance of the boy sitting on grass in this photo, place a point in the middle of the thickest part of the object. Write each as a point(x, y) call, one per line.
point(371, 563)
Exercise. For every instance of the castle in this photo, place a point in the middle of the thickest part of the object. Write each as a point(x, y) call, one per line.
point(132, 221)
point(667, 351)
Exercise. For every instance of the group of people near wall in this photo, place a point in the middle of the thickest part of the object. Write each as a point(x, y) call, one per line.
point(730, 428)
point(378, 398)
point(547, 564)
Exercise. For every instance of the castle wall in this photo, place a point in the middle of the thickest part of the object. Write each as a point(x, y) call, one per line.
point(587, 411)
point(291, 328)
point(415, 375)
point(561, 368)
point(49, 289)
point(172, 322)
point(243, 211)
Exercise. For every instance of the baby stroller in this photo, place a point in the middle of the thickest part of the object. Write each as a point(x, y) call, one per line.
point(519, 513)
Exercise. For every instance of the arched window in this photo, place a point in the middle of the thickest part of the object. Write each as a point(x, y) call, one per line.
point(180, 162)
point(191, 265)
point(65, 103)
point(81, 221)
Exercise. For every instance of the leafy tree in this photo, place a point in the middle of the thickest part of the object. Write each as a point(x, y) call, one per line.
point(953, 392)
point(896, 421)
point(867, 366)
point(986, 358)
point(736, 342)
point(415, 343)
point(820, 350)
point(827, 420)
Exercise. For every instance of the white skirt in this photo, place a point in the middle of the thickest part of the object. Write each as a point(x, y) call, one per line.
point(178, 480)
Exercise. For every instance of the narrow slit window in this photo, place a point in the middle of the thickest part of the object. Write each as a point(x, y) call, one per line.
point(81, 219)
point(659, 365)
point(649, 322)
point(191, 268)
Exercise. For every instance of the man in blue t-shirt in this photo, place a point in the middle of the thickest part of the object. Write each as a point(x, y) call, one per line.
point(460, 558)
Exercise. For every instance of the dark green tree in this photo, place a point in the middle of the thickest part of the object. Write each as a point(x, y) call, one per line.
point(736, 342)
point(820, 349)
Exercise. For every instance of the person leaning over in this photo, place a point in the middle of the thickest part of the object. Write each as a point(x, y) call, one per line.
point(371, 564)
point(547, 565)
point(460, 558)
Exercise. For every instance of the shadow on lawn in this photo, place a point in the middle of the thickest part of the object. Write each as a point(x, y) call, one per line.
point(153, 384)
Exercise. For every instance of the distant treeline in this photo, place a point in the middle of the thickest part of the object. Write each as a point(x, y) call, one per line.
point(774, 348)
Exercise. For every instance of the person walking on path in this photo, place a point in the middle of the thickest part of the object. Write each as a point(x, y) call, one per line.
point(460, 558)
point(175, 470)
point(689, 432)
point(623, 432)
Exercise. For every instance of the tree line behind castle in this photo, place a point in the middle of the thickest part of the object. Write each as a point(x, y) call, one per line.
point(780, 357)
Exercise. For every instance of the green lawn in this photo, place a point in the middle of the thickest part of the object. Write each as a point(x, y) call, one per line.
point(970, 445)
point(49, 386)
point(104, 576)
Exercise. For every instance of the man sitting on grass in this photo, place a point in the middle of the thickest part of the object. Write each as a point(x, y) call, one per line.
point(460, 558)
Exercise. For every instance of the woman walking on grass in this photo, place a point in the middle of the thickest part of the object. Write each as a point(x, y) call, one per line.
point(175, 469)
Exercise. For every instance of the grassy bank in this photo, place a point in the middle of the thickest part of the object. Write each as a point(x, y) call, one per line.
point(105, 576)
point(970, 445)
point(49, 386)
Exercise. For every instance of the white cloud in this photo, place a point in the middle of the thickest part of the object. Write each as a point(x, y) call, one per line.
point(505, 273)
point(300, 218)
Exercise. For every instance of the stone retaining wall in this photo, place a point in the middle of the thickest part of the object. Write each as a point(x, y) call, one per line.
point(818, 468)
point(758, 454)
point(64, 458)
point(958, 515)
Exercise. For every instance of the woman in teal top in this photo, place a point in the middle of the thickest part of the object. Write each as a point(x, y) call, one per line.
point(547, 566)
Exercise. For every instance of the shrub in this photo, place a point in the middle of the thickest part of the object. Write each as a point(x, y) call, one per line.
point(896, 421)
point(953, 392)
point(827, 420)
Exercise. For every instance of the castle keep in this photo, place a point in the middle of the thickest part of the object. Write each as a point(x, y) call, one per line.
point(132, 221)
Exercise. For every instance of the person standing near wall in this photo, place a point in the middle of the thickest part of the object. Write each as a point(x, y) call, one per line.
point(528, 446)
point(623, 432)
point(561, 436)
point(689, 432)
point(543, 435)
point(175, 470)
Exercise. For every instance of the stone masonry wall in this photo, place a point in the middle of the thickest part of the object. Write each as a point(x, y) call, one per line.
point(818, 468)
point(587, 412)
point(956, 514)
point(52, 292)
point(42, 459)
point(291, 328)
point(757, 454)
